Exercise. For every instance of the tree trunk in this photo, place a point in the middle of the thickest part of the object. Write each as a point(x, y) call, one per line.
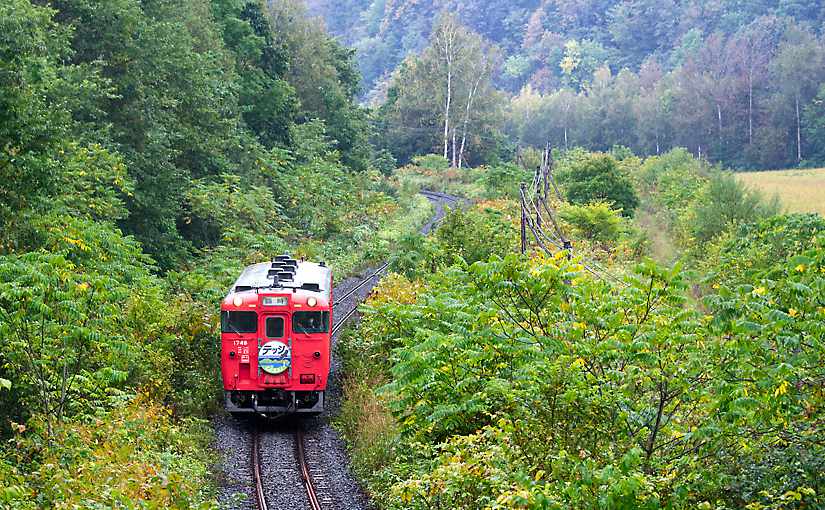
point(750, 107)
point(454, 151)
point(798, 133)
point(447, 108)
point(448, 48)
point(470, 99)
point(719, 118)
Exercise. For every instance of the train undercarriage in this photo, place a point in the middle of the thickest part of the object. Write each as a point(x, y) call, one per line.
point(273, 402)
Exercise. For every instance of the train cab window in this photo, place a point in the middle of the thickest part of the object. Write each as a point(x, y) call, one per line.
point(310, 322)
point(239, 322)
point(274, 327)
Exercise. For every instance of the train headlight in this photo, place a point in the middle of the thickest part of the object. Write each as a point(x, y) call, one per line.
point(312, 301)
point(238, 301)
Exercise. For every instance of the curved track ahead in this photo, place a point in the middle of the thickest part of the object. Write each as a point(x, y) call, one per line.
point(274, 478)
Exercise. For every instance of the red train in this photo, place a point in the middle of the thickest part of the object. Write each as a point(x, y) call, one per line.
point(275, 338)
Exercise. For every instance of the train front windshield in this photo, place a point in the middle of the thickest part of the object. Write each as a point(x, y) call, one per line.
point(310, 322)
point(239, 322)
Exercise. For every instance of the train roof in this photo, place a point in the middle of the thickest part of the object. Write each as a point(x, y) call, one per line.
point(308, 276)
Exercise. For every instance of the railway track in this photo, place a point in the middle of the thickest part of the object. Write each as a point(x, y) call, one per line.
point(314, 491)
point(260, 496)
point(310, 486)
point(444, 197)
point(339, 322)
point(319, 493)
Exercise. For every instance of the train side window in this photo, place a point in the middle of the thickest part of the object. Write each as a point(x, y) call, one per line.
point(310, 322)
point(239, 322)
point(275, 327)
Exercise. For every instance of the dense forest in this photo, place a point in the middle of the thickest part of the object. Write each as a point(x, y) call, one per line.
point(739, 83)
point(148, 151)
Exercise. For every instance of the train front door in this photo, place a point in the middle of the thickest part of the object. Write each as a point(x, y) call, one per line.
point(275, 351)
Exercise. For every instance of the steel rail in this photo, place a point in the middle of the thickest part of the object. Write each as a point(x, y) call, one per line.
point(363, 282)
point(260, 497)
point(305, 474)
point(438, 194)
point(442, 196)
point(339, 323)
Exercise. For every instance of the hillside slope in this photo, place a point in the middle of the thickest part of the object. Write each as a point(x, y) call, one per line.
point(533, 33)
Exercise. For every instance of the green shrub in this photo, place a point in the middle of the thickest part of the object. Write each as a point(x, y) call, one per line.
point(594, 222)
point(432, 162)
point(595, 178)
point(756, 250)
point(767, 301)
point(724, 204)
point(476, 234)
point(134, 456)
point(521, 383)
point(504, 180)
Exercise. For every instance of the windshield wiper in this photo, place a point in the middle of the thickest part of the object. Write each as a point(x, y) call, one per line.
point(230, 326)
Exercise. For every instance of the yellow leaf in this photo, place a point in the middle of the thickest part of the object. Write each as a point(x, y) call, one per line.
point(781, 389)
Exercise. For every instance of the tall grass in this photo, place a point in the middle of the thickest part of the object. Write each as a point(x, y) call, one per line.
point(798, 190)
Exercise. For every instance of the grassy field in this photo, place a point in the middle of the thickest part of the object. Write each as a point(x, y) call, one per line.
point(798, 190)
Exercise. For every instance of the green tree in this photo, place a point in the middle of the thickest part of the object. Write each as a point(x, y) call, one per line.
point(724, 204)
point(326, 79)
point(445, 97)
point(269, 103)
point(597, 177)
point(813, 120)
point(797, 70)
point(174, 108)
point(42, 98)
point(595, 221)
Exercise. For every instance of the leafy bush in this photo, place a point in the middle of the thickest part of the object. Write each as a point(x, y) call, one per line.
point(594, 222)
point(528, 384)
point(503, 180)
point(417, 255)
point(725, 204)
point(771, 309)
point(755, 250)
point(228, 206)
point(466, 235)
point(597, 177)
point(674, 179)
point(134, 456)
point(432, 162)
point(476, 234)
point(700, 204)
